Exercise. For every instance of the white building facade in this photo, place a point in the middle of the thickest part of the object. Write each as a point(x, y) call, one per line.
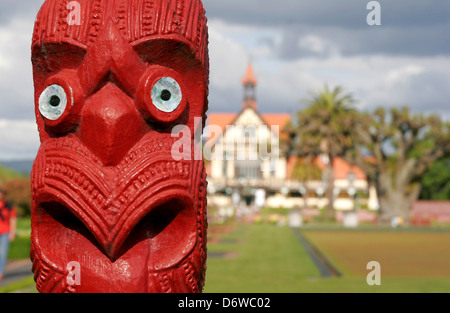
point(246, 165)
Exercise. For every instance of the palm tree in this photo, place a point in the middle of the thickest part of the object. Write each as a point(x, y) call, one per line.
point(326, 127)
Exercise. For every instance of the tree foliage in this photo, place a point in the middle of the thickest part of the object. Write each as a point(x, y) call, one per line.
point(403, 146)
point(305, 170)
point(326, 127)
point(18, 192)
point(395, 148)
point(17, 189)
point(436, 181)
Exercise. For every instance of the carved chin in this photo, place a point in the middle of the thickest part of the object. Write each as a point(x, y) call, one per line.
point(122, 231)
point(159, 241)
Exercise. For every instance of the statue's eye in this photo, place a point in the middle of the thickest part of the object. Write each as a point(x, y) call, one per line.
point(166, 94)
point(53, 102)
point(161, 95)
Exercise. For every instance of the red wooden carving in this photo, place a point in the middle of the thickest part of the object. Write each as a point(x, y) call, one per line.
point(112, 209)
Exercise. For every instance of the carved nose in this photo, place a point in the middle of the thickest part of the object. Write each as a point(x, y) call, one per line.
point(110, 124)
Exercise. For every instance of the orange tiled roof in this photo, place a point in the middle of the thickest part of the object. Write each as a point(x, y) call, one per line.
point(276, 120)
point(341, 168)
point(271, 119)
point(221, 120)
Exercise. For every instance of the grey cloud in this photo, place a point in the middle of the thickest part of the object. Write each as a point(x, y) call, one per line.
point(287, 12)
point(342, 13)
point(15, 105)
point(414, 41)
point(414, 27)
point(428, 92)
point(10, 9)
point(225, 99)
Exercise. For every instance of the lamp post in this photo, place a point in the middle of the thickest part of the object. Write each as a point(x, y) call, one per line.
point(324, 183)
point(302, 190)
point(351, 217)
point(351, 189)
point(320, 191)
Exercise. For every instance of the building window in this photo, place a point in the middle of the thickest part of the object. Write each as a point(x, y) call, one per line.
point(248, 169)
point(224, 167)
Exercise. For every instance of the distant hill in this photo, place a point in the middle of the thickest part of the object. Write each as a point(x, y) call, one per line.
point(7, 174)
point(22, 167)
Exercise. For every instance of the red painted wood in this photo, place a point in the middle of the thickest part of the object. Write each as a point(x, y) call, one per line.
point(107, 193)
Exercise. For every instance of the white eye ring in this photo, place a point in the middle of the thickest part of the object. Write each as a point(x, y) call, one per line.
point(53, 102)
point(167, 94)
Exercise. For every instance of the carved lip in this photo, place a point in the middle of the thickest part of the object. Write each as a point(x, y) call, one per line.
point(168, 224)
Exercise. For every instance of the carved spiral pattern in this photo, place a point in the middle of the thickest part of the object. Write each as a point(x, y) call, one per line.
point(66, 163)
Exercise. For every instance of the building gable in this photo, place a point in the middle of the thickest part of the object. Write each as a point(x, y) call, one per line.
point(249, 117)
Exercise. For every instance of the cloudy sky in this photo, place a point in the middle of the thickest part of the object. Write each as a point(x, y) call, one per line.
point(295, 46)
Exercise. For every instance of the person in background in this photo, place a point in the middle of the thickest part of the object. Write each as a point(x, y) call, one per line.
point(7, 230)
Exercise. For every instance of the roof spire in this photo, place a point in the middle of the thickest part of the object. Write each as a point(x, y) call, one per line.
point(249, 81)
point(249, 78)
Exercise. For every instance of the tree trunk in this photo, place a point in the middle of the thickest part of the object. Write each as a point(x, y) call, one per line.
point(329, 192)
point(395, 201)
point(305, 196)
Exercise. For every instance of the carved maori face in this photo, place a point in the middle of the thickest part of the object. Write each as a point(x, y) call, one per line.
point(107, 193)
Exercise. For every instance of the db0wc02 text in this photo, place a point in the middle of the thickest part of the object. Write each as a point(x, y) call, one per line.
point(246, 302)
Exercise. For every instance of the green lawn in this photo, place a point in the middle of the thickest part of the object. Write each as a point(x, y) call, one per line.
point(20, 247)
point(269, 258)
point(400, 253)
point(266, 258)
point(411, 260)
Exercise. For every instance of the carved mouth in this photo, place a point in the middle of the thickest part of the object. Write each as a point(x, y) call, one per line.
point(111, 202)
point(169, 226)
point(125, 221)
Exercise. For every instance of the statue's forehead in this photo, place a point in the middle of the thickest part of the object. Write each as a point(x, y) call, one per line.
point(138, 21)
